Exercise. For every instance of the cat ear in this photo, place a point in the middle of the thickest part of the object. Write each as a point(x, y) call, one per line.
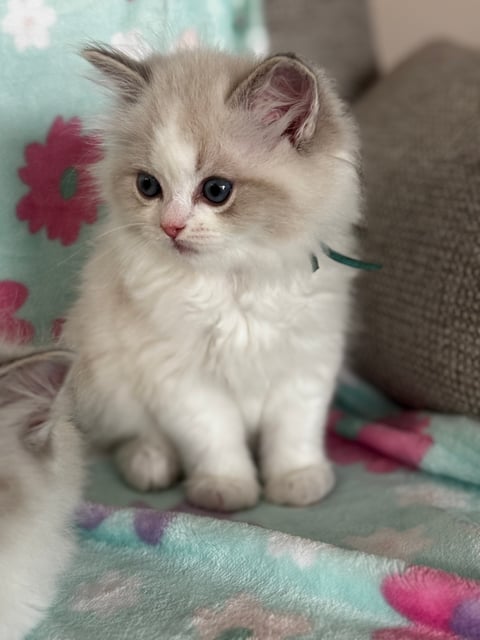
point(28, 386)
point(282, 94)
point(127, 75)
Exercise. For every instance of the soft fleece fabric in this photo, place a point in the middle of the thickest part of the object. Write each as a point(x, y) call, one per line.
point(46, 104)
point(392, 554)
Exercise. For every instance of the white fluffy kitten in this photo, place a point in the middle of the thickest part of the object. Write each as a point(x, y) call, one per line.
point(200, 327)
point(40, 482)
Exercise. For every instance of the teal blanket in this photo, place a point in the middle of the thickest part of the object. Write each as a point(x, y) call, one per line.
point(392, 553)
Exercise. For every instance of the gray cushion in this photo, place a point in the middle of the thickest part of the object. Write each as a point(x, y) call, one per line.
point(420, 322)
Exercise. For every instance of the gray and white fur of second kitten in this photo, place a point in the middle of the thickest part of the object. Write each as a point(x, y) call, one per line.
point(41, 479)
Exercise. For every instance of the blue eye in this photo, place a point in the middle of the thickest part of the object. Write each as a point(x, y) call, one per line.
point(217, 190)
point(148, 186)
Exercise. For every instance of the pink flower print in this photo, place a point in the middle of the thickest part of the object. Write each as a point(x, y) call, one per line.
point(391, 442)
point(343, 451)
point(445, 604)
point(408, 447)
point(61, 195)
point(12, 297)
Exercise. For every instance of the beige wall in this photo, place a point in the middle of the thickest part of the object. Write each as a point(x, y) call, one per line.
point(400, 26)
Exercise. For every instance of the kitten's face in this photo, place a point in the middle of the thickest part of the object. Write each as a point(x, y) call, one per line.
point(214, 159)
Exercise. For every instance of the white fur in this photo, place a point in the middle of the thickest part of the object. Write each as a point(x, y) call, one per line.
point(236, 343)
point(38, 493)
point(210, 358)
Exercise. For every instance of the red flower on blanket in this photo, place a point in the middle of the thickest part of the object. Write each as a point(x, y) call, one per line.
point(12, 297)
point(61, 196)
point(384, 445)
point(344, 451)
point(440, 605)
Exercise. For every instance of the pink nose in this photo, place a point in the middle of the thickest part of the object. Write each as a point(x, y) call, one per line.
point(172, 230)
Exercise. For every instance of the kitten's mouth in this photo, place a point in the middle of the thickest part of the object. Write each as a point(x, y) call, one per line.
point(182, 247)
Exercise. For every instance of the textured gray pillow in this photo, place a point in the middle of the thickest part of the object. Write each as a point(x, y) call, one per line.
point(420, 338)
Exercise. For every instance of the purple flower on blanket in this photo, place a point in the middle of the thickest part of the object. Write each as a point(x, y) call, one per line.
point(13, 296)
point(90, 515)
point(150, 525)
point(444, 604)
point(466, 619)
point(61, 193)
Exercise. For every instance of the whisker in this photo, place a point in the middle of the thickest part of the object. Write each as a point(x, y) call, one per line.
point(122, 261)
point(120, 228)
point(101, 235)
point(350, 163)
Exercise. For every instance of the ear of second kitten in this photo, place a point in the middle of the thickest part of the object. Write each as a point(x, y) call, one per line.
point(124, 74)
point(282, 94)
point(28, 387)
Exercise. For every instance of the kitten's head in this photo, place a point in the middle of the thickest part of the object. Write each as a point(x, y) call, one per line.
point(221, 160)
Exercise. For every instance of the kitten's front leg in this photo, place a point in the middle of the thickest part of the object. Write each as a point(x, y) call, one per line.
point(147, 462)
point(294, 466)
point(209, 434)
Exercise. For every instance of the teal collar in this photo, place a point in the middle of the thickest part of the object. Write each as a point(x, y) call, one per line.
point(349, 262)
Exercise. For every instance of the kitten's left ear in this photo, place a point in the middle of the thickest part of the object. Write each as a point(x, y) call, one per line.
point(282, 93)
point(127, 75)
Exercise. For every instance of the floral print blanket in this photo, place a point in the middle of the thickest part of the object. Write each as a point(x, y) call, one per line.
point(47, 103)
point(392, 554)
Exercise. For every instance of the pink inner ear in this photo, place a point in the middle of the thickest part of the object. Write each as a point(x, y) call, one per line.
point(28, 390)
point(285, 98)
point(42, 378)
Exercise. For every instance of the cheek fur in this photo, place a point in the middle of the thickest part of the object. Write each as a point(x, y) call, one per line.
point(261, 207)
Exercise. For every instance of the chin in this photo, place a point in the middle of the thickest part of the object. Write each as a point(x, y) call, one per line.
point(183, 247)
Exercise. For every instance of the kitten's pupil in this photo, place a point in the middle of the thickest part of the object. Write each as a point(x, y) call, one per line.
point(148, 185)
point(217, 190)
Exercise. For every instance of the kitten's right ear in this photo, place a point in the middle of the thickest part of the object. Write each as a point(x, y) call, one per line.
point(127, 76)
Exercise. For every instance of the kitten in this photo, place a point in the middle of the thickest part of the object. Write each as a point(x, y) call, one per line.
point(200, 326)
point(40, 482)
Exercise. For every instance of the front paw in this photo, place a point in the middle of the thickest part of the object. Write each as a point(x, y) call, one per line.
point(147, 465)
point(301, 487)
point(222, 493)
